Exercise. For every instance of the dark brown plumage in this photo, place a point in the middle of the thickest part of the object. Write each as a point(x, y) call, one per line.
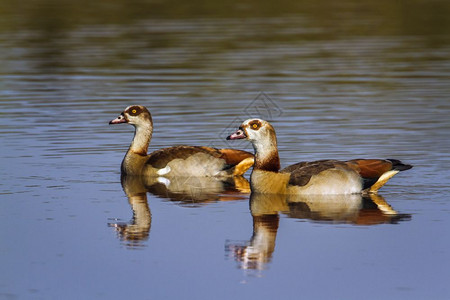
point(370, 170)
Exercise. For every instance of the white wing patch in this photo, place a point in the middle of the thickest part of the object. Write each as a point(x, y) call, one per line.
point(164, 171)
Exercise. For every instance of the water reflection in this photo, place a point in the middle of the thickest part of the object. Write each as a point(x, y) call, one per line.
point(187, 191)
point(356, 209)
point(137, 230)
point(196, 191)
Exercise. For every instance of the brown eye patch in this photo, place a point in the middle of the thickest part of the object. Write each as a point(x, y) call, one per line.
point(134, 110)
point(255, 124)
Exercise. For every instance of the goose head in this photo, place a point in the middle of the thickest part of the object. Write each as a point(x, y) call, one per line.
point(136, 115)
point(254, 130)
point(262, 136)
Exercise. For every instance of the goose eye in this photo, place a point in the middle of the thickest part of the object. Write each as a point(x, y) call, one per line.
point(255, 125)
point(134, 111)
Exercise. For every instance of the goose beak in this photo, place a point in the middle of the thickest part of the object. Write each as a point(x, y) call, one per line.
point(240, 134)
point(120, 119)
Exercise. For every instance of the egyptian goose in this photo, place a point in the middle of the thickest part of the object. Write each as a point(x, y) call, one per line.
point(317, 177)
point(178, 160)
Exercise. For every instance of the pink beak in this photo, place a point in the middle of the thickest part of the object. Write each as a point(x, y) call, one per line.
point(120, 119)
point(240, 134)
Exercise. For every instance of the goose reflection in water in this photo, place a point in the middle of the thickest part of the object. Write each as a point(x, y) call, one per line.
point(187, 191)
point(197, 191)
point(354, 209)
point(137, 230)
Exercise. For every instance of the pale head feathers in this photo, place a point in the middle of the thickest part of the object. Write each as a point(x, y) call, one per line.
point(137, 115)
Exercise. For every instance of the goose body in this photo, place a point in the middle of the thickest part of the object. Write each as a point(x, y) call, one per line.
point(175, 161)
point(323, 177)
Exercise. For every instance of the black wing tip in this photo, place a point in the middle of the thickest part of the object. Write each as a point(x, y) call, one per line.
point(398, 165)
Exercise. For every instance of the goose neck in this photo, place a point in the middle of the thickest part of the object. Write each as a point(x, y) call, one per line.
point(266, 155)
point(141, 140)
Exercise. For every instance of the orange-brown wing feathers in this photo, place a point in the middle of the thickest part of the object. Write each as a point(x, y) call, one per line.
point(233, 156)
point(370, 168)
point(239, 160)
point(374, 168)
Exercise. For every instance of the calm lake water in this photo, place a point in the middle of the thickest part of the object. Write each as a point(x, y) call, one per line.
point(343, 80)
